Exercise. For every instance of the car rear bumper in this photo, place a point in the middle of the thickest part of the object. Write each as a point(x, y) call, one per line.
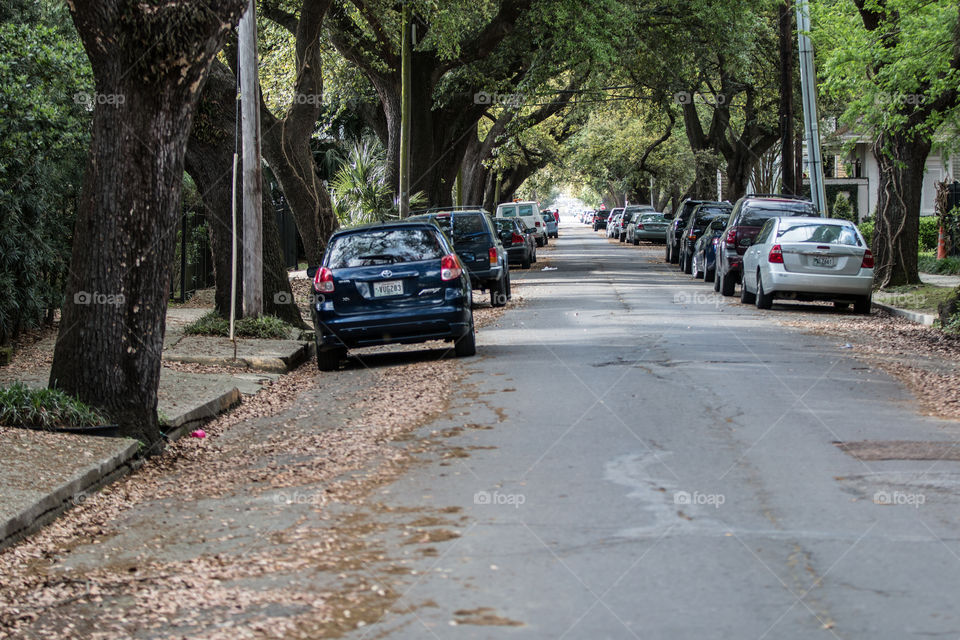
point(517, 254)
point(812, 284)
point(443, 322)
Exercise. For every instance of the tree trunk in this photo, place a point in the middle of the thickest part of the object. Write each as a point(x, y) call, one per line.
point(902, 161)
point(111, 332)
point(788, 179)
point(209, 161)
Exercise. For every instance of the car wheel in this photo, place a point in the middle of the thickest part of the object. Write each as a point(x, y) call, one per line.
point(674, 254)
point(623, 237)
point(697, 271)
point(498, 293)
point(687, 263)
point(533, 254)
point(509, 292)
point(666, 251)
point(466, 345)
point(863, 305)
point(745, 296)
point(764, 301)
point(527, 259)
point(709, 275)
point(546, 240)
point(636, 240)
point(716, 280)
point(727, 284)
point(329, 359)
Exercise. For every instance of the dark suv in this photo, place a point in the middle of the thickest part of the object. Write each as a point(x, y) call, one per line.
point(675, 228)
point(390, 283)
point(600, 220)
point(749, 214)
point(703, 214)
point(478, 244)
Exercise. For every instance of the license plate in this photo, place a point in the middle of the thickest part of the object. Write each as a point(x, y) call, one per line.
point(387, 288)
point(824, 261)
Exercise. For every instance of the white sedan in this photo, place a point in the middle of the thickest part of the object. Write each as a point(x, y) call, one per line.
point(808, 259)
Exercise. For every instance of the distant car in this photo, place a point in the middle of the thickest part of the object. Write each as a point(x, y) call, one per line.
point(600, 219)
point(519, 241)
point(553, 228)
point(629, 213)
point(530, 212)
point(587, 217)
point(702, 215)
point(477, 242)
point(648, 225)
point(390, 283)
point(748, 215)
point(809, 259)
point(705, 251)
point(677, 223)
point(613, 223)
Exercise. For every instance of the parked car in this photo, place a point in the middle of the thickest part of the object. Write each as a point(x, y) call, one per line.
point(613, 223)
point(530, 213)
point(587, 217)
point(629, 213)
point(748, 215)
point(477, 242)
point(803, 259)
point(553, 227)
point(389, 283)
point(677, 223)
point(705, 251)
point(702, 215)
point(600, 219)
point(519, 241)
point(648, 225)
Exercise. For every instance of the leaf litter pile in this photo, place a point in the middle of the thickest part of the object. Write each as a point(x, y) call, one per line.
point(923, 358)
point(253, 531)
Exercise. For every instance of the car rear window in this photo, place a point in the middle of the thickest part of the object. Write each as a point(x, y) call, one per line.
point(819, 233)
point(465, 227)
point(384, 246)
point(705, 216)
point(505, 225)
point(652, 217)
point(755, 216)
point(525, 209)
point(603, 214)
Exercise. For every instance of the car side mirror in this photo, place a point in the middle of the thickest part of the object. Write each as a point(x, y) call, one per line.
point(668, 216)
point(312, 272)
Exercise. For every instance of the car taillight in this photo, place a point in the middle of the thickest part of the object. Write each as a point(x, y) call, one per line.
point(494, 255)
point(639, 226)
point(323, 281)
point(537, 222)
point(692, 237)
point(450, 268)
point(867, 260)
point(776, 255)
point(731, 238)
point(516, 238)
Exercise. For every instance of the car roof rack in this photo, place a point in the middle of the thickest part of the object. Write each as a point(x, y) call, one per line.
point(786, 196)
point(451, 209)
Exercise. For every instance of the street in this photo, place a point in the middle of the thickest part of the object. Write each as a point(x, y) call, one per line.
point(628, 456)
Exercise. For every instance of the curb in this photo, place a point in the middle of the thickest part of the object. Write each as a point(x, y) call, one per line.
point(277, 364)
point(912, 316)
point(72, 492)
point(179, 426)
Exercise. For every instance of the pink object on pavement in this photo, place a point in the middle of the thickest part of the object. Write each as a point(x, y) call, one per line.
point(199, 433)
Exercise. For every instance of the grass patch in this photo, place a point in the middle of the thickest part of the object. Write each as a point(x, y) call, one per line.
point(914, 297)
point(44, 409)
point(927, 262)
point(211, 324)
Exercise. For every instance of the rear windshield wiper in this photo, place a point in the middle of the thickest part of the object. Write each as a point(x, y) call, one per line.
point(378, 256)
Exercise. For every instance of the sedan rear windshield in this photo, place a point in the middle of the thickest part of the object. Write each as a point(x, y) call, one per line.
point(652, 217)
point(505, 225)
point(603, 214)
point(384, 246)
point(756, 216)
point(820, 233)
point(465, 227)
point(706, 215)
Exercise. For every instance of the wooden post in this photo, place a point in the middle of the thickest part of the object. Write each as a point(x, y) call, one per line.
point(405, 114)
point(252, 178)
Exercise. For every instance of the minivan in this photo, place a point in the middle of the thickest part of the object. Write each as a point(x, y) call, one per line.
point(529, 213)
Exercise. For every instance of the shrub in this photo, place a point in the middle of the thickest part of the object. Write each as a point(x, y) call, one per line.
point(44, 409)
point(927, 262)
point(929, 233)
point(866, 228)
point(212, 324)
point(842, 209)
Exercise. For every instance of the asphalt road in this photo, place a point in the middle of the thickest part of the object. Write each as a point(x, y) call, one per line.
point(661, 465)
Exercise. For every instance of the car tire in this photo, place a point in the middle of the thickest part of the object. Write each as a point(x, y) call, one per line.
point(764, 300)
point(709, 275)
point(863, 305)
point(687, 263)
point(466, 345)
point(498, 293)
point(533, 254)
point(745, 296)
point(623, 237)
point(695, 268)
point(666, 251)
point(509, 291)
point(546, 240)
point(727, 285)
point(329, 359)
point(636, 241)
point(716, 279)
point(674, 254)
point(527, 260)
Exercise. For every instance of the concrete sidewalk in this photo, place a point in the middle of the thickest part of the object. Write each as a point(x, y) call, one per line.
point(43, 473)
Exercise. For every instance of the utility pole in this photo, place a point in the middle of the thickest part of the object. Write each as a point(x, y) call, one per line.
point(405, 113)
point(788, 177)
point(810, 115)
point(252, 185)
